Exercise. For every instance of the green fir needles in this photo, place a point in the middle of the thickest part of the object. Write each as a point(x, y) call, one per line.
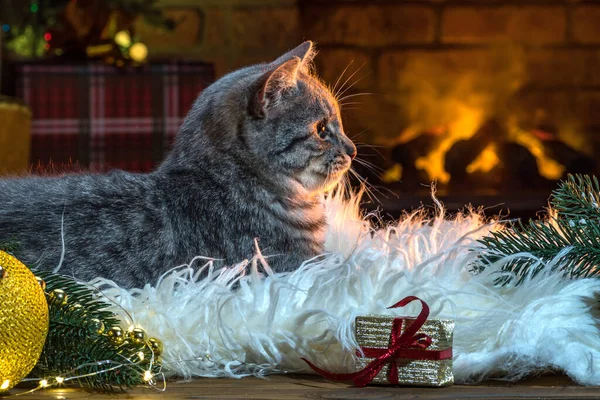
point(85, 341)
point(571, 231)
point(86, 345)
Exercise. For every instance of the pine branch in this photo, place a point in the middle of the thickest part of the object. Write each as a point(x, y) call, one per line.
point(77, 339)
point(74, 340)
point(9, 247)
point(577, 198)
point(576, 226)
point(545, 241)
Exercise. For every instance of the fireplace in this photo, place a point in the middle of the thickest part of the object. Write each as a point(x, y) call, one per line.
point(493, 100)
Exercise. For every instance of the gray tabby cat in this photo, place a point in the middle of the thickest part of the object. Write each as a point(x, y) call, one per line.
point(251, 161)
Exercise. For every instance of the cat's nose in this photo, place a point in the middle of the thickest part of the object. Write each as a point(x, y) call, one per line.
point(350, 148)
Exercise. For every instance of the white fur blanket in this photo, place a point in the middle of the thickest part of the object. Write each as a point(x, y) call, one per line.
point(271, 320)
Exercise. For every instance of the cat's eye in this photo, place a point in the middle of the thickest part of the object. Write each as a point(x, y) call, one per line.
point(322, 129)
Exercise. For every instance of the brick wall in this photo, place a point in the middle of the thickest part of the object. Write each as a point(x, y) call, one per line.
point(427, 61)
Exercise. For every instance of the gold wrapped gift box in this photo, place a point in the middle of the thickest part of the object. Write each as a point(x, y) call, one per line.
point(373, 332)
point(401, 350)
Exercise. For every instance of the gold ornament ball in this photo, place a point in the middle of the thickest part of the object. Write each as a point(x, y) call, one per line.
point(23, 321)
point(97, 326)
point(115, 335)
point(41, 282)
point(137, 336)
point(58, 297)
point(156, 346)
point(138, 52)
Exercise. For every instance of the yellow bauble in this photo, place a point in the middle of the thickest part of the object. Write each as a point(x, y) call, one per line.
point(23, 321)
point(123, 39)
point(138, 52)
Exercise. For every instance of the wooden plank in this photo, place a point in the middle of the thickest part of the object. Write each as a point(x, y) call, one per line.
point(313, 387)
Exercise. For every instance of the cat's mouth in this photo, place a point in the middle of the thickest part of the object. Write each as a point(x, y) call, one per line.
point(337, 173)
point(319, 177)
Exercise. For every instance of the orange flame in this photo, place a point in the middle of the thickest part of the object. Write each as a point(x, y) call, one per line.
point(465, 126)
point(547, 167)
point(486, 161)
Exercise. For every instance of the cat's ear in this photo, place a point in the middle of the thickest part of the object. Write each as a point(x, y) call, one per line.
point(305, 52)
point(273, 84)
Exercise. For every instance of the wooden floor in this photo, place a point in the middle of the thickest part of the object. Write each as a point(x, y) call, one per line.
point(313, 387)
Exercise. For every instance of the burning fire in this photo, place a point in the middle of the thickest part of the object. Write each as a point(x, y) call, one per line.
point(463, 128)
point(486, 161)
point(547, 167)
point(449, 104)
point(433, 163)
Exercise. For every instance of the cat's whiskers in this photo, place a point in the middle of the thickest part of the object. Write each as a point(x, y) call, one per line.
point(333, 90)
point(370, 166)
point(343, 88)
point(349, 96)
point(369, 146)
point(351, 103)
point(356, 136)
point(363, 182)
point(370, 188)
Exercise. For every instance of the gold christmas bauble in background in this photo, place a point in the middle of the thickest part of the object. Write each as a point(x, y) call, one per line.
point(123, 39)
point(138, 52)
point(23, 321)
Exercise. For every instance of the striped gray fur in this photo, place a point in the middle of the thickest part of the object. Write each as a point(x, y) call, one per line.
point(248, 163)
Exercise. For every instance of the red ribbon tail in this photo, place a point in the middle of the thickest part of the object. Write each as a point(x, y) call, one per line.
point(393, 373)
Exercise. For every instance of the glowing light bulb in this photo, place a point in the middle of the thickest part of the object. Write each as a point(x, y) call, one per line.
point(147, 376)
point(60, 379)
point(43, 383)
point(141, 355)
point(5, 384)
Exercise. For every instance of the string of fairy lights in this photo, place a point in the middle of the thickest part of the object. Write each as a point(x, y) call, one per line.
point(116, 335)
point(154, 380)
point(151, 379)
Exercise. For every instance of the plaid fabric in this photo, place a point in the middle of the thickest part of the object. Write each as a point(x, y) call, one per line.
point(101, 118)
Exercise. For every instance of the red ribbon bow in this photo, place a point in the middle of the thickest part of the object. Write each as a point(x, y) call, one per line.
point(402, 345)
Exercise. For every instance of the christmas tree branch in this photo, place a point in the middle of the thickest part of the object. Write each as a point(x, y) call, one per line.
point(574, 227)
point(85, 343)
point(577, 198)
point(77, 338)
